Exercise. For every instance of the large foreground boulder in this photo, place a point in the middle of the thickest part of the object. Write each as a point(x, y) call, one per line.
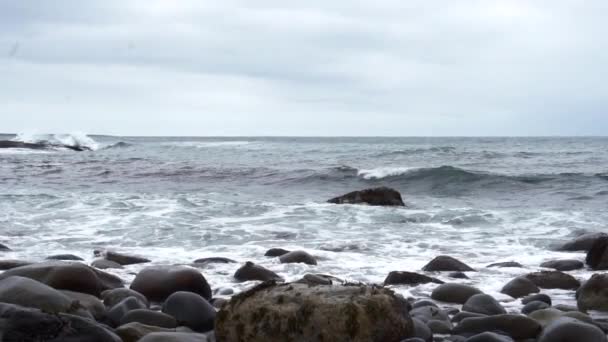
point(446, 263)
point(593, 295)
point(516, 326)
point(190, 310)
point(597, 257)
point(553, 280)
point(454, 293)
point(377, 196)
point(157, 283)
point(296, 312)
point(71, 276)
point(567, 329)
point(30, 293)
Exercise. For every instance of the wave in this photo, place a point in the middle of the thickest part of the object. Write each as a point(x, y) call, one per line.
point(205, 144)
point(120, 144)
point(384, 172)
point(73, 141)
point(414, 151)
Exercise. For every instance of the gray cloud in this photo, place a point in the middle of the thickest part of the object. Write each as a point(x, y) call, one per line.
point(313, 68)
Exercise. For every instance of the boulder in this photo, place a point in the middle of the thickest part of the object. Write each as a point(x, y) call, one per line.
point(440, 327)
point(553, 280)
point(133, 332)
point(458, 275)
point(174, 337)
point(319, 279)
point(104, 264)
point(446, 263)
point(251, 271)
point(506, 264)
point(298, 257)
point(597, 257)
point(516, 326)
point(10, 264)
point(582, 243)
point(190, 310)
point(118, 311)
point(593, 295)
point(454, 293)
point(424, 302)
point(534, 306)
point(520, 287)
point(571, 330)
point(465, 314)
point(30, 293)
point(63, 275)
point(276, 252)
point(483, 304)
point(4, 248)
point(89, 302)
point(66, 257)
point(563, 265)
point(378, 196)
point(429, 313)
point(296, 312)
point(546, 317)
point(422, 331)
point(213, 260)
point(489, 337)
point(149, 317)
point(537, 297)
point(119, 258)
point(113, 297)
point(409, 278)
point(23, 324)
point(157, 283)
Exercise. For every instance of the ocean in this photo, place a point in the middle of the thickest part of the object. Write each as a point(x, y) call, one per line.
point(177, 199)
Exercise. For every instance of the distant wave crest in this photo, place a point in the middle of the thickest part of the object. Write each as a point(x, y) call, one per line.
point(72, 140)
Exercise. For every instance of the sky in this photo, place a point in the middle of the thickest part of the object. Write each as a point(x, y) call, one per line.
point(304, 68)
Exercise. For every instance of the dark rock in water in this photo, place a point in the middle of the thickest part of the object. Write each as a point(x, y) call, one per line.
point(319, 279)
point(454, 293)
point(571, 330)
point(119, 258)
point(272, 312)
point(534, 306)
point(378, 196)
point(10, 264)
point(213, 260)
point(489, 337)
point(3, 248)
point(149, 317)
point(133, 332)
point(506, 264)
point(251, 271)
point(553, 280)
point(118, 311)
point(103, 264)
point(63, 275)
point(483, 304)
point(276, 252)
point(67, 257)
point(446, 263)
point(422, 331)
point(520, 287)
point(597, 257)
point(409, 278)
point(30, 293)
point(22, 324)
point(113, 297)
point(458, 275)
point(592, 295)
point(159, 282)
point(40, 146)
point(190, 310)
point(582, 243)
point(516, 326)
point(89, 302)
point(537, 297)
point(563, 265)
point(298, 257)
point(174, 337)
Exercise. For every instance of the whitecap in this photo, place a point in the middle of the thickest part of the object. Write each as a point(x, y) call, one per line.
point(384, 172)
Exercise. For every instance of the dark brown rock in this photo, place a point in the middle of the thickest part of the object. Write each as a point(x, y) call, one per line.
point(593, 294)
point(563, 265)
point(409, 278)
point(298, 257)
point(159, 282)
point(553, 280)
point(520, 287)
point(251, 271)
point(276, 252)
point(446, 263)
point(382, 196)
point(582, 243)
point(597, 257)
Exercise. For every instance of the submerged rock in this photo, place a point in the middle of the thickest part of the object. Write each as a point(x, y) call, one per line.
point(298, 257)
point(296, 312)
point(446, 263)
point(251, 271)
point(563, 265)
point(157, 283)
point(276, 252)
point(597, 257)
point(409, 278)
point(382, 196)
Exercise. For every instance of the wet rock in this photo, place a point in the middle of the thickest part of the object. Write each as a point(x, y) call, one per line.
point(118, 311)
point(4, 248)
point(571, 330)
point(421, 331)
point(597, 257)
point(465, 314)
point(563, 265)
point(483, 304)
point(134, 331)
point(218, 303)
point(534, 306)
point(22, 324)
point(446, 263)
point(424, 302)
point(319, 279)
point(213, 260)
point(113, 297)
point(409, 278)
point(119, 258)
point(276, 252)
point(593, 295)
point(382, 196)
point(440, 327)
point(89, 302)
point(174, 337)
point(190, 310)
point(553, 280)
point(545, 317)
point(458, 275)
point(10, 264)
point(582, 243)
point(298, 257)
point(149, 317)
point(295, 312)
point(454, 293)
point(520, 287)
point(516, 326)
point(104, 264)
point(429, 313)
point(63, 275)
point(66, 257)
point(506, 264)
point(489, 337)
point(30, 293)
point(537, 297)
point(251, 271)
point(158, 282)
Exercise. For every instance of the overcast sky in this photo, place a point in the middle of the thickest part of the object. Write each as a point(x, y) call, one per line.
point(315, 67)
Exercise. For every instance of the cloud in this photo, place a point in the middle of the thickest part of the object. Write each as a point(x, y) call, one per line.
point(313, 68)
